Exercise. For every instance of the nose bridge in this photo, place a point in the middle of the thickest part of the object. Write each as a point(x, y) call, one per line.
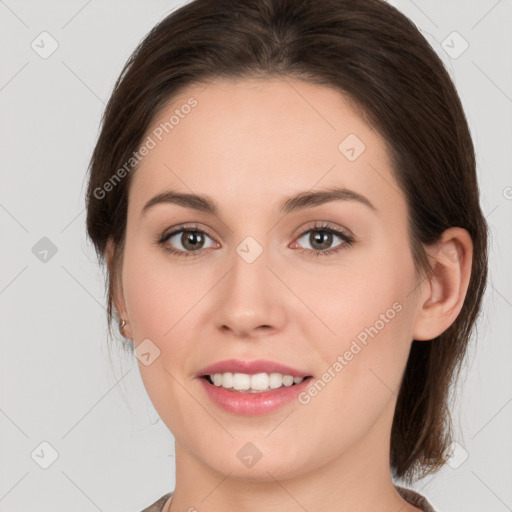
point(249, 297)
point(249, 278)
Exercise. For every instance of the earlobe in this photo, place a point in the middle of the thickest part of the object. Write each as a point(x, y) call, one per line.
point(443, 294)
point(117, 294)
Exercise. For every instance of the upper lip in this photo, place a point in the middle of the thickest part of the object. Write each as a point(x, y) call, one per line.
point(250, 367)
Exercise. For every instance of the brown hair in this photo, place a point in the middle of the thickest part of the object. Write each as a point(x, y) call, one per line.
point(374, 55)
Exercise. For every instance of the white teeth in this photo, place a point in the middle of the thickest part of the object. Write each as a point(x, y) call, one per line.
point(253, 383)
point(287, 380)
point(217, 379)
point(240, 381)
point(275, 380)
point(227, 380)
point(259, 381)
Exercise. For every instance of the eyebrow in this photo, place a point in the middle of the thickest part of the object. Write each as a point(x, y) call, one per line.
point(297, 202)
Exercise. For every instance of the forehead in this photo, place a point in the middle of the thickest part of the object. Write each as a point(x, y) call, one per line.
point(261, 139)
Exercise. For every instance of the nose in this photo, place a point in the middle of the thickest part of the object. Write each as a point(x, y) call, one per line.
point(250, 299)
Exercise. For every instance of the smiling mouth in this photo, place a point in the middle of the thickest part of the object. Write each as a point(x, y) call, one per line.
point(276, 384)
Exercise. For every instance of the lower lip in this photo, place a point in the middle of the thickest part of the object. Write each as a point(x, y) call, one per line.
point(253, 404)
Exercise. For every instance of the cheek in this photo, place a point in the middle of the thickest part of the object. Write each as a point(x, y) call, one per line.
point(159, 300)
point(369, 288)
point(369, 309)
point(163, 301)
point(156, 294)
point(364, 361)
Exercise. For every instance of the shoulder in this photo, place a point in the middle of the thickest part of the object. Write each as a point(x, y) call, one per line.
point(415, 498)
point(158, 505)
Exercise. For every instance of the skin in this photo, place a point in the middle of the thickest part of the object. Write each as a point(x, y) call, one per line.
point(248, 144)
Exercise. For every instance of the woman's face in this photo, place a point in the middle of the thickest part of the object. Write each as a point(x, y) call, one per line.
point(254, 286)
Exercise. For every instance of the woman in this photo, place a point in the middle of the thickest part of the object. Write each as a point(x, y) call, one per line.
point(286, 198)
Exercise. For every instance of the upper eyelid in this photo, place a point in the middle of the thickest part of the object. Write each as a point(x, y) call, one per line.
point(180, 228)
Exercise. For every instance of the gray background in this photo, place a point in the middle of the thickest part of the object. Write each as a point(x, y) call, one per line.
point(59, 382)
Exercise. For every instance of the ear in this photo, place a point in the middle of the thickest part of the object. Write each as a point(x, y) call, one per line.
point(442, 296)
point(117, 290)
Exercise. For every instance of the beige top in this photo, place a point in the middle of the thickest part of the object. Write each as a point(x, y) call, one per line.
point(413, 497)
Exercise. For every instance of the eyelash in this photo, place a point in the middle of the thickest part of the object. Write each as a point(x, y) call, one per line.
point(322, 227)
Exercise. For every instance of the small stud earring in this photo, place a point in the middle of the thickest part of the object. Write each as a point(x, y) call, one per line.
point(121, 325)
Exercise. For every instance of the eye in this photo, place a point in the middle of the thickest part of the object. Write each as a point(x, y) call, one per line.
point(188, 240)
point(321, 237)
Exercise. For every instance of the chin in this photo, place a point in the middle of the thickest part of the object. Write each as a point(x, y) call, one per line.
point(248, 463)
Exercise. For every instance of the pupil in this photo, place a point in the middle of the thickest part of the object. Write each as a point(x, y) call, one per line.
point(191, 239)
point(321, 235)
